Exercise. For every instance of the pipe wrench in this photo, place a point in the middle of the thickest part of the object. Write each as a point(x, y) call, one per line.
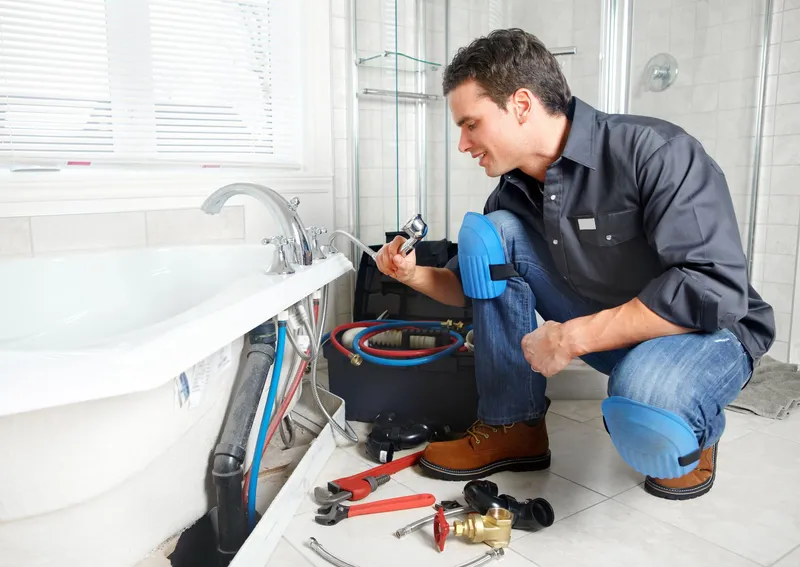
point(362, 484)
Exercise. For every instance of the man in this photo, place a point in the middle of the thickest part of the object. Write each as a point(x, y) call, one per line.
point(619, 230)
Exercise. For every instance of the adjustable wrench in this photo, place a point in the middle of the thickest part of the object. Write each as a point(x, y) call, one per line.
point(335, 513)
point(360, 485)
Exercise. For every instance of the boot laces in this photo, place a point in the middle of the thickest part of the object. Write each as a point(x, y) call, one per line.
point(476, 429)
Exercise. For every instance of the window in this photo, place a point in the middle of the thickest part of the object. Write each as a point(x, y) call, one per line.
point(149, 82)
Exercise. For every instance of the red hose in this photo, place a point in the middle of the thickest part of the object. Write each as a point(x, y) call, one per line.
point(397, 353)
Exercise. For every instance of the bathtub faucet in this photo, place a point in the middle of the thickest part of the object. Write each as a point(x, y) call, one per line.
point(286, 211)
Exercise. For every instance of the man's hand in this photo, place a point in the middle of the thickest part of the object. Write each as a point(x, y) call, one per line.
point(551, 347)
point(392, 263)
point(548, 349)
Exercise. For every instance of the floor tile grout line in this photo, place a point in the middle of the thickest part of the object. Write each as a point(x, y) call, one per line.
point(777, 436)
point(715, 544)
point(785, 555)
point(300, 551)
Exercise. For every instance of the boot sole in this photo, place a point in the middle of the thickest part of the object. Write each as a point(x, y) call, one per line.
point(520, 464)
point(655, 489)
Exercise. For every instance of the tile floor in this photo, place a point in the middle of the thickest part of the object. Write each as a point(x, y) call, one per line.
point(603, 516)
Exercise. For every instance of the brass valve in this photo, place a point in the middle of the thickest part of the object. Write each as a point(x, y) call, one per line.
point(493, 529)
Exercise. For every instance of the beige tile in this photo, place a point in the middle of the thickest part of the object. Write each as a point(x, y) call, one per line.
point(790, 560)
point(15, 236)
point(614, 535)
point(585, 455)
point(788, 428)
point(64, 233)
point(285, 555)
point(738, 424)
point(193, 226)
point(753, 508)
point(577, 410)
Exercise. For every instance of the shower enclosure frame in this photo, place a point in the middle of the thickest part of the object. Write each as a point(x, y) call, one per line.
point(614, 88)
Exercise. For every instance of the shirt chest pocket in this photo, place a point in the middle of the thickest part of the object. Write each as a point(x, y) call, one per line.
point(608, 229)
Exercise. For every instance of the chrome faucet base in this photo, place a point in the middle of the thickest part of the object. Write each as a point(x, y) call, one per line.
point(286, 212)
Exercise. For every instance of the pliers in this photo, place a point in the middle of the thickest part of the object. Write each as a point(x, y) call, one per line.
point(361, 485)
point(335, 513)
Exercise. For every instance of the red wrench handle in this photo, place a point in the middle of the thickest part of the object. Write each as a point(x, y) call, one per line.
point(361, 489)
point(391, 504)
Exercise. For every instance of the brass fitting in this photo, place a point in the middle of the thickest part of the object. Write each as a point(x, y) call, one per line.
point(356, 360)
point(493, 529)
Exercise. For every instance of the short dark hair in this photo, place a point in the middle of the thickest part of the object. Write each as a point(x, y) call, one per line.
point(505, 61)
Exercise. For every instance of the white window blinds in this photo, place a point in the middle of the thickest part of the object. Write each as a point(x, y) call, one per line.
point(204, 82)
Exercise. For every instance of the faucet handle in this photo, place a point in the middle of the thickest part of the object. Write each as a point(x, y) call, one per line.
point(281, 264)
point(317, 253)
point(294, 202)
point(279, 240)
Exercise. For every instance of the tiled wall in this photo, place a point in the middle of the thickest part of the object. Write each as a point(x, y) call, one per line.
point(718, 45)
point(58, 234)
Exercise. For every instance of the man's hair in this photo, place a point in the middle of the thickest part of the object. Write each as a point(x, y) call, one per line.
point(505, 61)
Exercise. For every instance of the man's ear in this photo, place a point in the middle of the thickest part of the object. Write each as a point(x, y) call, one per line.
point(522, 101)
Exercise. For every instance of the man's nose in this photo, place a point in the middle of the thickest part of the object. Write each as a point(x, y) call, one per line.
point(464, 143)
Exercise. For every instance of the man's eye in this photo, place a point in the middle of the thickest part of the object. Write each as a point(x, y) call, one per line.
point(471, 126)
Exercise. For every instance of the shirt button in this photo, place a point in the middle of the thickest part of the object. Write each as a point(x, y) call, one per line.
point(555, 241)
point(552, 197)
point(608, 237)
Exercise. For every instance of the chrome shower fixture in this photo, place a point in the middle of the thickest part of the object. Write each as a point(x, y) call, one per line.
point(660, 72)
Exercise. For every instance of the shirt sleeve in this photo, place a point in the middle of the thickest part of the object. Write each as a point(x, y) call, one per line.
point(689, 220)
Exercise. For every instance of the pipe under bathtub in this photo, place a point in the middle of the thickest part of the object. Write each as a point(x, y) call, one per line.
point(228, 471)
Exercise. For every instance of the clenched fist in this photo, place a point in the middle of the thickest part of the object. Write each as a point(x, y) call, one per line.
point(394, 264)
point(548, 349)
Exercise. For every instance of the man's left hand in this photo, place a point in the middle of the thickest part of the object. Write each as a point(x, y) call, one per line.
point(548, 349)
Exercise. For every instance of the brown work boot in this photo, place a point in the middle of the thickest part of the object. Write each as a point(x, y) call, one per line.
point(487, 449)
point(691, 485)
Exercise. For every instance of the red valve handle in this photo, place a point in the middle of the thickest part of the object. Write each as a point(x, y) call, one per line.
point(440, 528)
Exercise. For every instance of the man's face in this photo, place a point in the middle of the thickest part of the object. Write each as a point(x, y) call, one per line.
point(489, 133)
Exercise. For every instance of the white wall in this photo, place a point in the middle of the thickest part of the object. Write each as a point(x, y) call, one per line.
point(718, 44)
point(96, 209)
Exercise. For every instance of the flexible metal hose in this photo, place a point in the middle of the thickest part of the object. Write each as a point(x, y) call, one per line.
point(327, 555)
point(370, 252)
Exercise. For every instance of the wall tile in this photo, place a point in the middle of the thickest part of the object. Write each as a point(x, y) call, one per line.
point(785, 180)
point(791, 25)
point(779, 296)
point(780, 351)
point(787, 119)
point(790, 57)
point(15, 236)
point(788, 88)
point(783, 210)
point(63, 233)
point(779, 268)
point(193, 226)
point(786, 150)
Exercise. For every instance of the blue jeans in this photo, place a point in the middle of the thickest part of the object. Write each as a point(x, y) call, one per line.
point(693, 375)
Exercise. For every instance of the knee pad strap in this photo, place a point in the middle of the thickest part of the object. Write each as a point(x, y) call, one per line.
point(654, 441)
point(481, 258)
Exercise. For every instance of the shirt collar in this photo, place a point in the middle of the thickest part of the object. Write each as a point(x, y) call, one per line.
point(580, 142)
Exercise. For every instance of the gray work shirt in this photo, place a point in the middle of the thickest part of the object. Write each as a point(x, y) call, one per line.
point(634, 207)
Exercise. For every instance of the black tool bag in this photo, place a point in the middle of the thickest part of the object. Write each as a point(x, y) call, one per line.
point(438, 394)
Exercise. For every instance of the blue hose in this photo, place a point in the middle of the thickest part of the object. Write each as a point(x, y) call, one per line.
point(262, 431)
point(406, 361)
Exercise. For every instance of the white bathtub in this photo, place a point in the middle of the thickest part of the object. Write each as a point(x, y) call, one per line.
point(102, 461)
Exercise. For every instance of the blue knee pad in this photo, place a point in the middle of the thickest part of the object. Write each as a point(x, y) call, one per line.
point(481, 258)
point(654, 441)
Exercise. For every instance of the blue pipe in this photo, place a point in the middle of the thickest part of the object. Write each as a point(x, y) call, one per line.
point(406, 361)
point(262, 431)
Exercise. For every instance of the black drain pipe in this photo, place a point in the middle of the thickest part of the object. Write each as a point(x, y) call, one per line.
point(228, 472)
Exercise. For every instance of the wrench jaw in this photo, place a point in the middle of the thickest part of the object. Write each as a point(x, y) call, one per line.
point(325, 497)
point(330, 515)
